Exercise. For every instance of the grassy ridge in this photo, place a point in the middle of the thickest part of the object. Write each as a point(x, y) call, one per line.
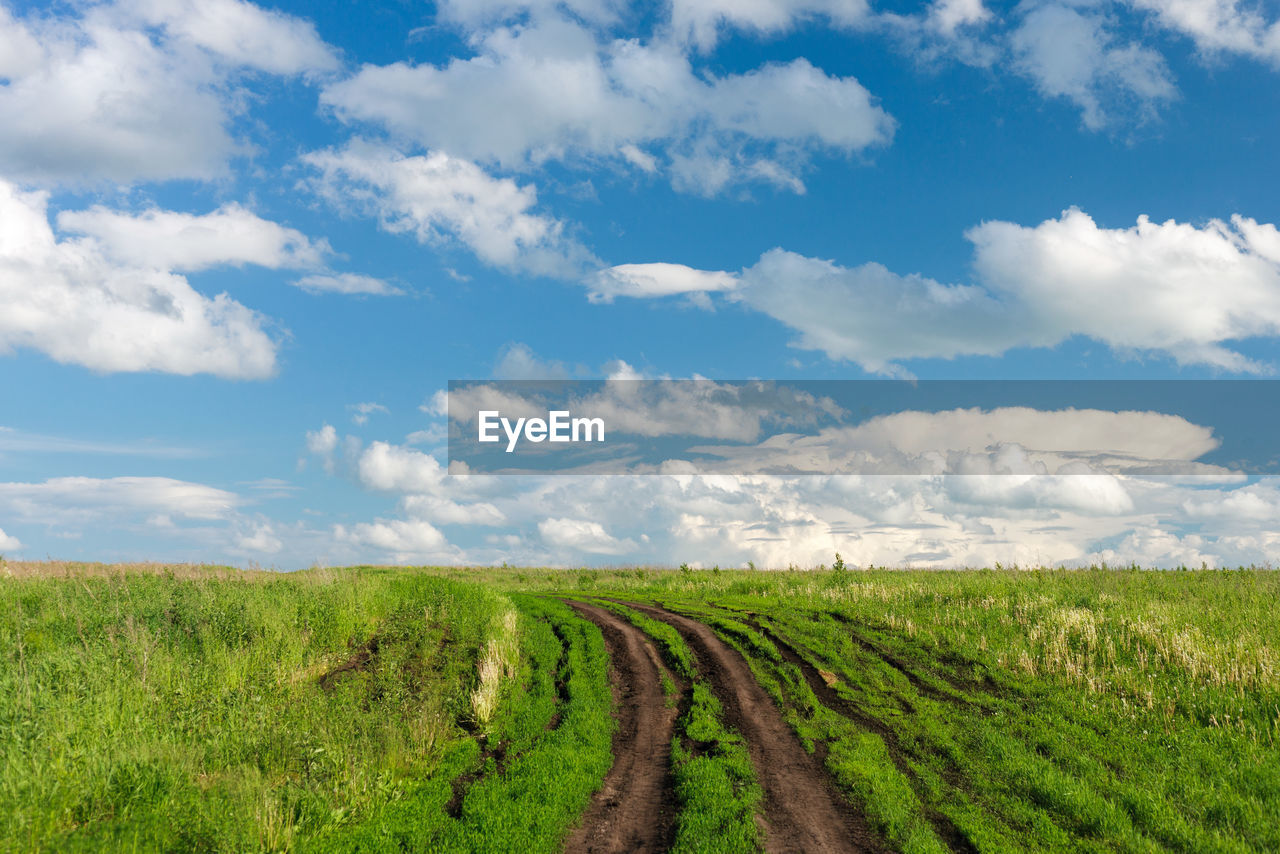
point(321, 711)
point(543, 755)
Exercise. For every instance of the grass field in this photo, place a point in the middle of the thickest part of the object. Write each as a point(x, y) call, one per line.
point(152, 708)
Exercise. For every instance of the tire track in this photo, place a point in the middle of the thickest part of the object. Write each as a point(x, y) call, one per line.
point(826, 694)
point(803, 810)
point(635, 809)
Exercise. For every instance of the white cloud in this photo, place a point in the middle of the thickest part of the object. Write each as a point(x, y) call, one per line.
point(9, 543)
point(240, 33)
point(873, 316)
point(654, 280)
point(928, 520)
point(439, 198)
point(1253, 504)
point(1172, 288)
point(43, 443)
point(185, 242)
point(1071, 54)
point(551, 91)
point(85, 499)
point(393, 468)
point(261, 540)
point(364, 410)
point(700, 21)
point(1220, 26)
point(1013, 440)
point(959, 29)
point(323, 443)
point(69, 300)
point(346, 283)
point(518, 362)
point(582, 535)
point(1165, 287)
point(434, 435)
point(403, 540)
point(443, 511)
point(169, 71)
point(478, 13)
point(947, 16)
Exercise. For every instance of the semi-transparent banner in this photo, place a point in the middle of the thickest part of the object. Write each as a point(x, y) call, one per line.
point(1204, 428)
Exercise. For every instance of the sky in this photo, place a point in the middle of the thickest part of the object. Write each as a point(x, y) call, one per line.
point(245, 247)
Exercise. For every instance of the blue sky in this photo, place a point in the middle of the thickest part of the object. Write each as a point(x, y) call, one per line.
point(243, 247)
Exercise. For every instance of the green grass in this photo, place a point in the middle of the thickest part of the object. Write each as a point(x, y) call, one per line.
point(150, 712)
point(1109, 710)
point(189, 709)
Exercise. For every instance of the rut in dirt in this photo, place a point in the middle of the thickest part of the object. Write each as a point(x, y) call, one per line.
point(947, 831)
point(803, 810)
point(635, 809)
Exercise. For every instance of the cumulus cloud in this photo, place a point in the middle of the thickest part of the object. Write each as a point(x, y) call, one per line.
point(1000, 511)
point(553, 91)
point(322, 443)
point(9, 543)
point(393, 468)
point(1172, 288)
point(403, 540)
point(74, 302)
point(261, 539)
point(583, 536)
point(444, 511)
point(948, 16)
point(439, 199)
point(1070, 53)
point(871, 315)
point(1218, 26)
point(169, 69)
point(239, 33)
point(186, 242)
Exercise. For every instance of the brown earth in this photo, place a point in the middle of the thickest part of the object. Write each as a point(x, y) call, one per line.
point(803, 810)
point(635, 809)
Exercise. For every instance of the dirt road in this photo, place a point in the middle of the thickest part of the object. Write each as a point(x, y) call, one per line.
point(803, 810)
point(635, 809)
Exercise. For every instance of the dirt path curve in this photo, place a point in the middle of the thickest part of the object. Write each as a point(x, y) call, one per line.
point(635, 809)
point(803, 810)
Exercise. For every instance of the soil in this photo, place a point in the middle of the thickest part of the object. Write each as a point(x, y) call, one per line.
point(635, 809)
point(803, 810)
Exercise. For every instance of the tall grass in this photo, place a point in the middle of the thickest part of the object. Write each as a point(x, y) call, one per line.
point(187, 711)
